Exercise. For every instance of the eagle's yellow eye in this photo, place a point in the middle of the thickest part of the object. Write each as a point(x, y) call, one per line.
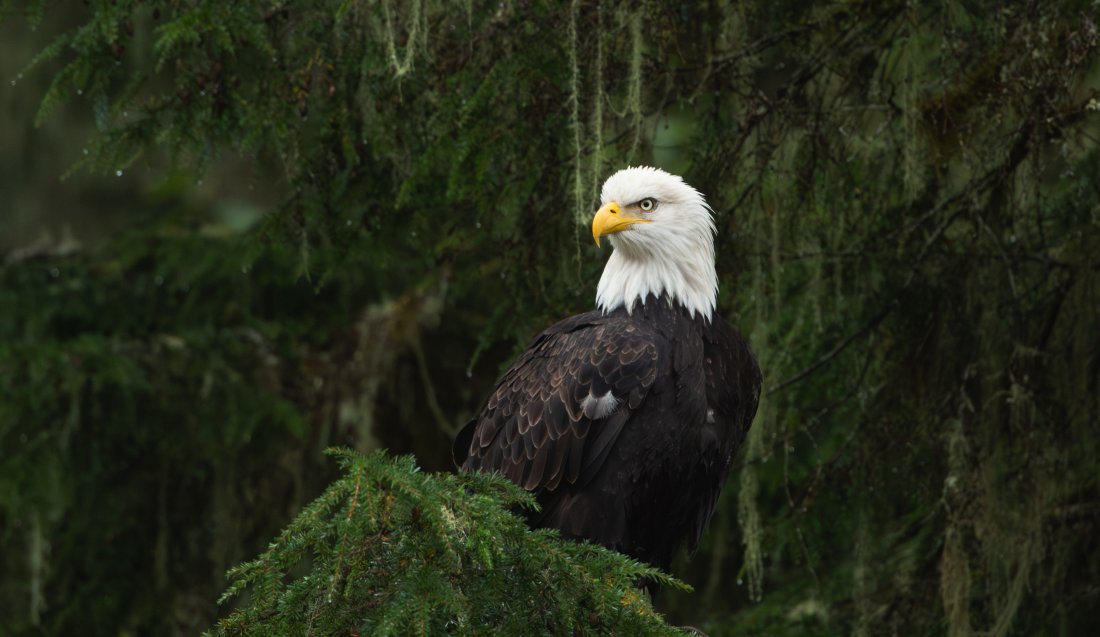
point(647, 204)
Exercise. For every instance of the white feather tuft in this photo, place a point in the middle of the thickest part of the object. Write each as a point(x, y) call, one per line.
point(602, 407)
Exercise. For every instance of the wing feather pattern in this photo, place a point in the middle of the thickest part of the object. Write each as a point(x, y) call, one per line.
point(535, 428)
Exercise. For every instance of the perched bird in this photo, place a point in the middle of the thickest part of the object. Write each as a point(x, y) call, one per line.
point(623, 421)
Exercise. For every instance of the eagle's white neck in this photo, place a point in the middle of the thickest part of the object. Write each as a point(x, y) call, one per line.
point(677, 266)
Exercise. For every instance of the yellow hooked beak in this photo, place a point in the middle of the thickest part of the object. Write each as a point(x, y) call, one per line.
point(610, 219)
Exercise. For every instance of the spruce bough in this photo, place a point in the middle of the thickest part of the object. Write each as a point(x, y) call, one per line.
point(390, 550)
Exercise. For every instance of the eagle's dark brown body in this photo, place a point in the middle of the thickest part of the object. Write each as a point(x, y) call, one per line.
point(645, 477)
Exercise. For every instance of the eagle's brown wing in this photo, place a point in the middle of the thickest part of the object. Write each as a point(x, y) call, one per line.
point(557, 412)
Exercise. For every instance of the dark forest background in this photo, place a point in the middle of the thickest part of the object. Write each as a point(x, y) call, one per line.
point(234, 234)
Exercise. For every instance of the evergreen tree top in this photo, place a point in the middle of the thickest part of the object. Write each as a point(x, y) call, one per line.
point(390, 550)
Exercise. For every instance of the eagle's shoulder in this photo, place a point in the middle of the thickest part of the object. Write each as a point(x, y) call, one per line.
point(733, 374)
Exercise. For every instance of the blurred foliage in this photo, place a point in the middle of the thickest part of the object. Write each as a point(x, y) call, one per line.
point(391, 202)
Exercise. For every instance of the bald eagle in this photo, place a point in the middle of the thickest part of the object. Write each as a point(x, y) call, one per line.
point(623, 421)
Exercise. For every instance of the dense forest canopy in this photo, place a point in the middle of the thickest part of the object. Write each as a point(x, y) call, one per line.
point(281, 227)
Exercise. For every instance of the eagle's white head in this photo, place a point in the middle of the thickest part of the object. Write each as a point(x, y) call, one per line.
point(663, 235)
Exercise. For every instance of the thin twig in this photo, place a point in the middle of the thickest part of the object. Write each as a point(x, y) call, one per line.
point(840, 347)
